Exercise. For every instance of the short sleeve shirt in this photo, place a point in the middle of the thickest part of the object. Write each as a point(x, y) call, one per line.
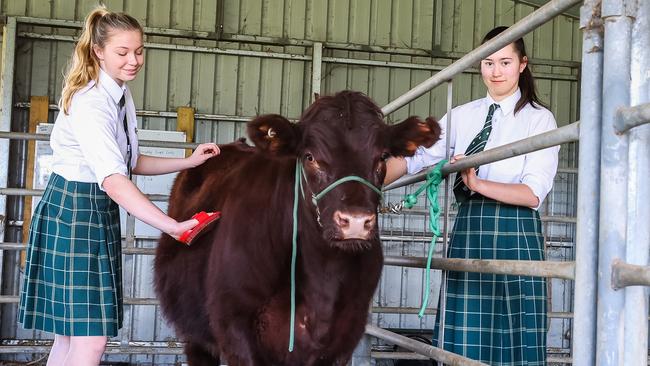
point(89, 143)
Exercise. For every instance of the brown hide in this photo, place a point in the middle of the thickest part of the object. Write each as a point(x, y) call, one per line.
point(228, 293)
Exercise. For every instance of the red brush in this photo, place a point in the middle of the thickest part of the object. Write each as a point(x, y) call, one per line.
point(206, 221)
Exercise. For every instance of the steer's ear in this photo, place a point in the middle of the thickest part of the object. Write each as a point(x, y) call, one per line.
point(274, 134)
point(405, 137)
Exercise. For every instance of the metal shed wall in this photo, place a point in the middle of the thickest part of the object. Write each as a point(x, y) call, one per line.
point(420, 32)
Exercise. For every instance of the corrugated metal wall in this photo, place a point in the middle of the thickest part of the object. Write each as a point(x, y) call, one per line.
point(418, 32)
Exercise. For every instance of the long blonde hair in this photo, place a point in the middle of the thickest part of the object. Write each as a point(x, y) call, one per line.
point(84, 65)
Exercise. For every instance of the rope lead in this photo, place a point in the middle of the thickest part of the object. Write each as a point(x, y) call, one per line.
point(434, 178)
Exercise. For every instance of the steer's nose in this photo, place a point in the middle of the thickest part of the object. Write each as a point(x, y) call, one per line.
point(355, 225)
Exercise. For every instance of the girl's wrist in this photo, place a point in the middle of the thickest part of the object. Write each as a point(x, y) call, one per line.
point(478, 185)
point(189, 163)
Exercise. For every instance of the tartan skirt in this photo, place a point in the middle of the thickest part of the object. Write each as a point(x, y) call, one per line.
point(493, 318)
point(73, 275)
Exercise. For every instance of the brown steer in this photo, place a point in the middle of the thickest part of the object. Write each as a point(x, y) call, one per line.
point(229, 293)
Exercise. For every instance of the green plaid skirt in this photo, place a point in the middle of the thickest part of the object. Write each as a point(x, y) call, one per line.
point(496, 319)
point(73, 276)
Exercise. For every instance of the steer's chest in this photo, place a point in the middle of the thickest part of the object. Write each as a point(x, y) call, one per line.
point(311, 333)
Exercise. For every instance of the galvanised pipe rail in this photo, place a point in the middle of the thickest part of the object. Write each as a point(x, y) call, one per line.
point(244, 38)
point(565, 270)
point(113, 347)
point(630, 117)
point(637, 248)
point(625, 274)
point(179, 47)
point(555, 137)
point(618, 16)
point(143, 142)
point(516, 31)
point(165, 114)
point(583, 344)
point(421, 348)
point(39, 192)
point(288, 56)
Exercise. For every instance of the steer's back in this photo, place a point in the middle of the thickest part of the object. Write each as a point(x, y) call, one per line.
point(180, 272)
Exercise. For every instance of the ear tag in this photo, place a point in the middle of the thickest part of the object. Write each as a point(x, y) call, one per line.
point(270, 133)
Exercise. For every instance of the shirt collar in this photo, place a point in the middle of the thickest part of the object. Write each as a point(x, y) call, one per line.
point(112, 88)
point(506, 105)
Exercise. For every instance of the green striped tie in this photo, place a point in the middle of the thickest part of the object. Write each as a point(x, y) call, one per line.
point(477, 145)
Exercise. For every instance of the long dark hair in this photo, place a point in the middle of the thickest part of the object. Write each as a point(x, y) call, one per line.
point(526, 80)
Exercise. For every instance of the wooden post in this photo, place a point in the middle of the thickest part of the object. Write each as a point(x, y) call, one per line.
point(185, 123)
point(38, 112)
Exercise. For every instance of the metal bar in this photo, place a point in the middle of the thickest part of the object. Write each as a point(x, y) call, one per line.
point(563, 270)
point(638, 240)
point(626, 274)
point(6, 93)
point(384, 238)
point(376, 49)
point(167, 114)
point(516, 31)
point(630, 117)
point(178, 47)
point(244, 38)
point(144, 143)
point(154, 31)
point(317, 65)
point(583, 344)
point(572, 12)
point(8, 299)
point(397, 356)
point(127, 300)
point(558, 136)
point(286, 56)
point(415, 66)
point(113, 348)
point(613, 181)
point(414, 356)
point(39, 192)
point(421, 348)
point(443, 275)
point(164, 114)
point(568, 170)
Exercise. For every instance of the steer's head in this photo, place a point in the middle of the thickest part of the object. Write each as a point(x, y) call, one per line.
point(342, 136)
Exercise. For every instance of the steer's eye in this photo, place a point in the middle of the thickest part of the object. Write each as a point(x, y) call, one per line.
point(309, 157)
point(384, 156)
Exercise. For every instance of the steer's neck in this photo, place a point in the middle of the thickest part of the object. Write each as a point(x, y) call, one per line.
point(331, 274)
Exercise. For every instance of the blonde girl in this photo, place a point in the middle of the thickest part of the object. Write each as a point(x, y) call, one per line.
point(73, 277)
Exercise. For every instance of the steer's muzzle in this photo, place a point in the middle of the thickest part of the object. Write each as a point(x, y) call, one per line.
point(355, 225)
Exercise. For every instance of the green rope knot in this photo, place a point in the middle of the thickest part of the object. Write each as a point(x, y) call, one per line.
point(410, 200)
point(434, 178)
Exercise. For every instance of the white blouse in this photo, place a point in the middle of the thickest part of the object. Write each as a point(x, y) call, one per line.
point(536, 170)
point(89, 143)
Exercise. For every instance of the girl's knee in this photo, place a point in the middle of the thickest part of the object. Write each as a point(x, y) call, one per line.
point(61, 341)
point(96, 345)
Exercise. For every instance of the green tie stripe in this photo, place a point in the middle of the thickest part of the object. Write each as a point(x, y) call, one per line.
point(477, 145)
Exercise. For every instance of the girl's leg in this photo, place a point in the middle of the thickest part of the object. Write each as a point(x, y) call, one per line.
point(85, 351)
point(59, 350)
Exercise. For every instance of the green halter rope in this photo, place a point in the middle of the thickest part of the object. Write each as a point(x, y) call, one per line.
point(434, 178)
point(300, 173)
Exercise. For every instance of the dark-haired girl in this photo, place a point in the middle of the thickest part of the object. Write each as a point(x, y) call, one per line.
point(496, 319)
